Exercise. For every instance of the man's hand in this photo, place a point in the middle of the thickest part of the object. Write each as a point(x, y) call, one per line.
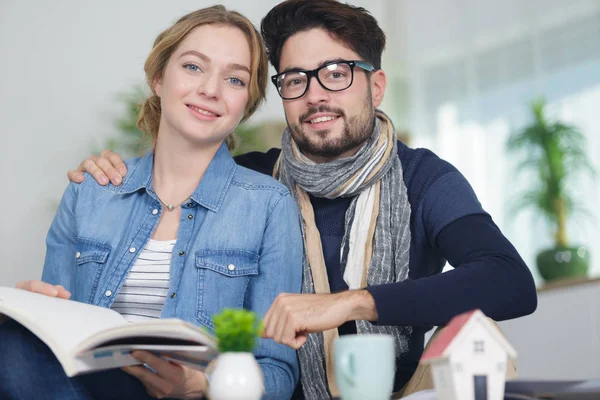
point(170, 380)
point(47, 289)
point(293, 316)
point(108, 165)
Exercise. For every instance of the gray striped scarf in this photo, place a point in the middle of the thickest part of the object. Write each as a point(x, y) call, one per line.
point(376, 163)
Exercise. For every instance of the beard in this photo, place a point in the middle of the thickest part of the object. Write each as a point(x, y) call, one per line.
point(357, 129)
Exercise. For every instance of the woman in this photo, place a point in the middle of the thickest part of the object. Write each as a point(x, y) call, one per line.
point(187, 233)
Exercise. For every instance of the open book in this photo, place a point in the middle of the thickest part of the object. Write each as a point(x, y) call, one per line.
point(86, 338)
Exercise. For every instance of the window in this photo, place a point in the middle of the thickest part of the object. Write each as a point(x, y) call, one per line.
point(478, 346)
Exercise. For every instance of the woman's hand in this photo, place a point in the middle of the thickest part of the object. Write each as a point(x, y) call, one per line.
point(170, 380)
point(44, 288)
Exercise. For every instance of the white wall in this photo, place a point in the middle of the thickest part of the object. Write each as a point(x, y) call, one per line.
point(62, 64)
point(561, 340)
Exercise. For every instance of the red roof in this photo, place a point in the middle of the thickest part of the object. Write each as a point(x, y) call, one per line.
point(447, 335)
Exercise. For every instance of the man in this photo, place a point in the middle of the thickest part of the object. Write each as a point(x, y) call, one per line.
point(380, 219)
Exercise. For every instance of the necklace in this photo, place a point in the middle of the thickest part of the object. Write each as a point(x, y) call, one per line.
point(171, 207)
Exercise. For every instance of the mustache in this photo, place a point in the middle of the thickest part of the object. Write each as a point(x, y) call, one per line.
point(321, 109)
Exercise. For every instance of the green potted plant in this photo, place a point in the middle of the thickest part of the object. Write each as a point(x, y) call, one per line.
point(236, 374)
point(130, 142)
point(555, 151)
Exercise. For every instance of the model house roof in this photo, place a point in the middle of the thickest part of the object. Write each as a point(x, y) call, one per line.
point(459, 324)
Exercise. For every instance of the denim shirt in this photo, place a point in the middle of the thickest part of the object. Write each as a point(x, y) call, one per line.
point(239, 244)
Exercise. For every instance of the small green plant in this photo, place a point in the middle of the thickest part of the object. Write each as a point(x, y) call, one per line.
point(237, 330)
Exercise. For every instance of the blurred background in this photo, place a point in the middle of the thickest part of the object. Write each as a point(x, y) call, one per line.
point(507, 91)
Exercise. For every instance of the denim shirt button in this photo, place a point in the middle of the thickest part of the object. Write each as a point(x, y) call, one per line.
point(173, 295)
point(132, 250)
point(108, 293)
point(154, 212)
point(231, 267)
point(77, 255)
point(190, 216)
point(182, 253)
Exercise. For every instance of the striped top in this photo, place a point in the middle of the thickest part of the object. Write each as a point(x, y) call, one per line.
point(144, 292)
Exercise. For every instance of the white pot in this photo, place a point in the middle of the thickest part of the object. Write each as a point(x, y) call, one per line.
point(236, 376)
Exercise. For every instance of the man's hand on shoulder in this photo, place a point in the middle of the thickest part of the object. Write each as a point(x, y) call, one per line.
point(293, 316)
point(107, 166)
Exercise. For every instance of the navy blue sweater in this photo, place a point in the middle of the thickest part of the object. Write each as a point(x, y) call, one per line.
point(447, 224)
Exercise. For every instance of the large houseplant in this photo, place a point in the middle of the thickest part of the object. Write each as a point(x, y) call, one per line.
point(555, 151)
point(130, 141)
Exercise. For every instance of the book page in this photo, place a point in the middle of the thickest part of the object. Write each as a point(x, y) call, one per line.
point(170, 331)
point(196, 357)
point(61, 324)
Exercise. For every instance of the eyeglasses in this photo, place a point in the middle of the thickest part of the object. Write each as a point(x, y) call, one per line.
point(334, 76)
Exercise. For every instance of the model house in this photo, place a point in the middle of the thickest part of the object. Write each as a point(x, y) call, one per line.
point(468, 359)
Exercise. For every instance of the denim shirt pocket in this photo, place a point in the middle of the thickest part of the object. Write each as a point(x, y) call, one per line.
point(223, 277)
point(90, 257)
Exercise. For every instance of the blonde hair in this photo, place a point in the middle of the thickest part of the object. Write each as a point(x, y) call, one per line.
point(168, 41)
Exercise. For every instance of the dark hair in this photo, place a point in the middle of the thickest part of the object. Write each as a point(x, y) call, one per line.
point(353, 26)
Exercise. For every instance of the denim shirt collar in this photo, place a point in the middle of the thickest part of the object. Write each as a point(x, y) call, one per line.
point(209, 193)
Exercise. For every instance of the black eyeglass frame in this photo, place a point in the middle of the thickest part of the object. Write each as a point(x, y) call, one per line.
point(315, 73)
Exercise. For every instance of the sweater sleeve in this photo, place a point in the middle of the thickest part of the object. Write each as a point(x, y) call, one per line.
point(488, 272)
